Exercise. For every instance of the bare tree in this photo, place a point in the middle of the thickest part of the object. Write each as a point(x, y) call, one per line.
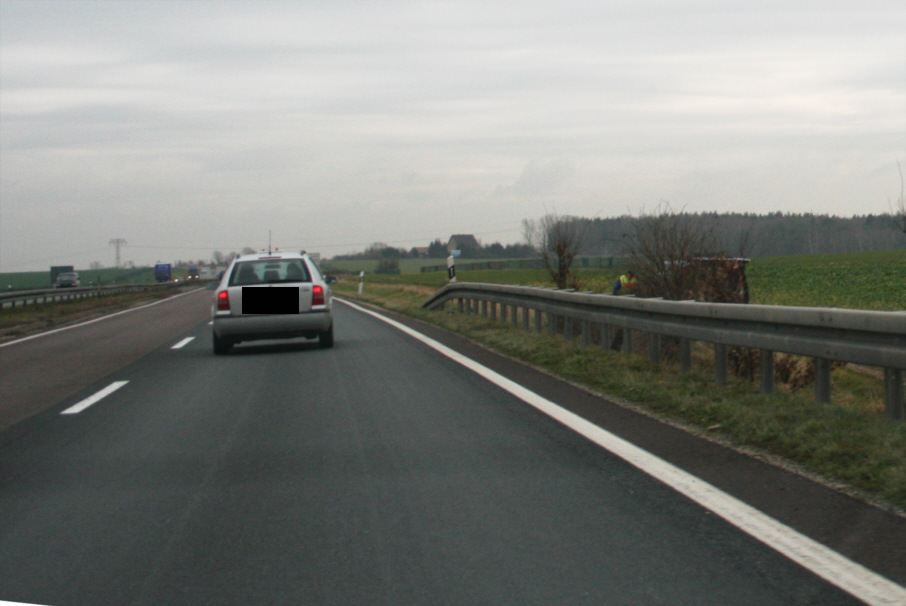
point(558, 239)
point(663, 252)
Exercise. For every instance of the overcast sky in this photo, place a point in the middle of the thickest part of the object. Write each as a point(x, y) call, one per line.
point(189, 127)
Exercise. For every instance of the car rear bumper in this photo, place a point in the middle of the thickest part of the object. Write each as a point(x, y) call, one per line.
point(288, 326)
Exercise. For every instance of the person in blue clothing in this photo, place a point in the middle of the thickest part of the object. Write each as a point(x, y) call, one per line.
point(626, 281)
point(626, 284)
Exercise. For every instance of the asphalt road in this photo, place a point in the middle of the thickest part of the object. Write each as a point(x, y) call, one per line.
point(376, 472)
point(38, 372)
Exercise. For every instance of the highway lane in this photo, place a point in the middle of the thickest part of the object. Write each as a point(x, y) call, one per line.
point(38, 372)
point(377, 472)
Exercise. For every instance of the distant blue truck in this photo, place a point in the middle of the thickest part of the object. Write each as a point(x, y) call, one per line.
point(163, 272)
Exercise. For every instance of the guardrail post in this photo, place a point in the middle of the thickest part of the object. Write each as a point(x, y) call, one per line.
point(462, 305)
point(654, 348)
point(877, 337)
point(504, 309)
point(893, 394)
point(493, 313)
point(767, 371)
point(720, 363)
point(685, 353)
point(823, 380)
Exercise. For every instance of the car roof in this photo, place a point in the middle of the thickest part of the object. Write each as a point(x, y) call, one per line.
point(265, 255)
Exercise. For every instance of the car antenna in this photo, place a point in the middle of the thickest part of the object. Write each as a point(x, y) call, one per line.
point(269, 242)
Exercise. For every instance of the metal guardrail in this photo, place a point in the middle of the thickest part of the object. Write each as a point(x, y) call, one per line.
point(871, 338)
point(58, 295)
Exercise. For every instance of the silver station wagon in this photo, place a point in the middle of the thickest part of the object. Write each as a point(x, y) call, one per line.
point(272, 296)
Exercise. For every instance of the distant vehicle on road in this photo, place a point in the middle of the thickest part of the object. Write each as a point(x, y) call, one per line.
point(193, 273)
point(272, 296)
point(69, 279)
point(56, 270)
point(162, 272)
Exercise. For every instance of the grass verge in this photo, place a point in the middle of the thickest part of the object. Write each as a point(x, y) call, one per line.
point(847, 444)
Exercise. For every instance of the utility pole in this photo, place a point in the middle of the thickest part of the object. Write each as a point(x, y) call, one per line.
point(118, 242)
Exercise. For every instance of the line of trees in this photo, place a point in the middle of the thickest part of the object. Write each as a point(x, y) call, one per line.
point(737, 234)
point(438, 250)
point(668, 248)
point(773, 234)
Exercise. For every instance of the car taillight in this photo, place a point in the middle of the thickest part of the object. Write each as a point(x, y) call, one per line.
point(317, 295)
point(223, 301)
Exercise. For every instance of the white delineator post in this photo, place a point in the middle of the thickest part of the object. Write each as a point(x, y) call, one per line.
point(451, 269)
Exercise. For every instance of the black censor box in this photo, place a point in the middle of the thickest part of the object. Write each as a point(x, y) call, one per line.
point(270, 300)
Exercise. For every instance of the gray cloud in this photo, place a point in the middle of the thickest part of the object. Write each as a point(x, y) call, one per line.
point(204, 124)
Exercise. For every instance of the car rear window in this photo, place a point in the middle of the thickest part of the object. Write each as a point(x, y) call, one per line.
point(269, 271)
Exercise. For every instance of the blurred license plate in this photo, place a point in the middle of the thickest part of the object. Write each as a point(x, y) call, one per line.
point(270, 300)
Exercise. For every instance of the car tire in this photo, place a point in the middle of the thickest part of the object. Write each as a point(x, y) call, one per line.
point(325, 339)
point(221, 346)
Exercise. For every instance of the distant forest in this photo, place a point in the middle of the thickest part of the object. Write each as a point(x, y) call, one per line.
point(739, 235)
point(775, 234)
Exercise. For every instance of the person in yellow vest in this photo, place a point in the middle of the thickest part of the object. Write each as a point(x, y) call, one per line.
point(626, 281)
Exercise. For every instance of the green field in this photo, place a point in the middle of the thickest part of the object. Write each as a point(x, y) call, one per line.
point(870, 280)
point(88, 277)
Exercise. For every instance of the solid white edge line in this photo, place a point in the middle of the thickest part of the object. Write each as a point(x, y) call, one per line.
point(826, 563)
point(89, 401)
point(107, 317)
point(183, 343)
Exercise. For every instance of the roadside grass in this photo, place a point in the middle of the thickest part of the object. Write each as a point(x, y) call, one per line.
point(848, 443)
point(24, 320)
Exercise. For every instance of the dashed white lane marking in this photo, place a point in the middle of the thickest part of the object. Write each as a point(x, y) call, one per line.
point(831, 566)
point(183, 343)
point(74, 410)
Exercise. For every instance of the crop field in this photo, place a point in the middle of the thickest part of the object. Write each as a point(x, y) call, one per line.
point(88, 277)
point(870, 280)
